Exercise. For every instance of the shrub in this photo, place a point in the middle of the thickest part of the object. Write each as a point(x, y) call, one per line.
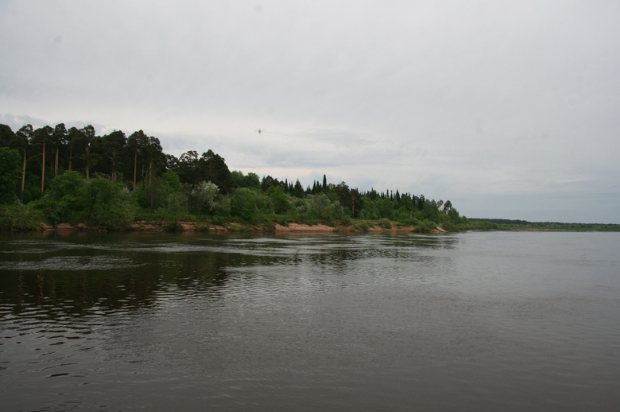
point(19, 216)
point(364, 225)
point(203, 197)
point(385, 223)
point(450, 227)
point(425, 226)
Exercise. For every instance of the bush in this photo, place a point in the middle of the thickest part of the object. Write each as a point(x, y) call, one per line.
point(281, 220)
point(175, 208)
point(99, 201)
point(364, 225)
point(19, 216)
point(409, 221)
point(385, 223)
point(203, 197)
point(450, 227)
point(425, 226)
point(308, 221)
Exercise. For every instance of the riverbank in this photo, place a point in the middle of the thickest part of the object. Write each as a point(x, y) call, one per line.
point(290, 228)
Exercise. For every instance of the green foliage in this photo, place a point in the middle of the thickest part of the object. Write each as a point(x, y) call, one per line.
point(243, 205)
point(222, 207)
point(364, 225)
point(330, 222)
point(218, 220)
point(425, 226)
point(385, 223)
point(175, 207)
point(64, 201)
point(409, 221)
point(10, 175)
point(237, 177)
point(175, 187)
point(204, 196)
point(370, 210)
point(251, 180)
point(98, 201)
point(281, 220)
point(213, 168)
point(19, 216)
point(402, 215)
point(430, 211)
point(108, 203)
point(172, 180)
point(385, 208)
point(298, 190)
point(321, 207)
point(306, 220)
point(449, 226)
point(7, 137)
point(278, 200)
point(116, 208)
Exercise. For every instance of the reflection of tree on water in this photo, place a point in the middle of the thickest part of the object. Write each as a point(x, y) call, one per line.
point(136, 285)
point(77, 292)
point(136, 277)
point(208, 272)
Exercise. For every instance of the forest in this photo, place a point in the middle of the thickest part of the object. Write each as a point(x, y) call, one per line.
point(55, 174)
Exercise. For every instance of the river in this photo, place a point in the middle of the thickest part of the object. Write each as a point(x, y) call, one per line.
point(158, 322)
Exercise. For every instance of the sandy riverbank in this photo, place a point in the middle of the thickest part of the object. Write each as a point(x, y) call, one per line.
point(291, 228)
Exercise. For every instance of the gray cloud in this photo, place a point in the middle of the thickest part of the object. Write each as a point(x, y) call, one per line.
point(478, 102)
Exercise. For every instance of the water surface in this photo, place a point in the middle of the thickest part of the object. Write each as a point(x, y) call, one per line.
point(472, 321)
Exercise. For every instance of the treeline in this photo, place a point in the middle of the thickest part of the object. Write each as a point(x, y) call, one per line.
point(511, 224)
point(73, 175)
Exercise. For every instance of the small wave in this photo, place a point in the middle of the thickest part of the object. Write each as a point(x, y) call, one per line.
point(73, 263)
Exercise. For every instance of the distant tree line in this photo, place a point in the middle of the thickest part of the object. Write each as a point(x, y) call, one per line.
point(111, 180)
point(516, 224)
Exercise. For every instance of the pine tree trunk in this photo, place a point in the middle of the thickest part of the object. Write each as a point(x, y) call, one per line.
point(43, 169)
point(56, 164)
point(70, 157)
point(150, 183)
point(87, 162)
point(23, 176)
point(135, 163)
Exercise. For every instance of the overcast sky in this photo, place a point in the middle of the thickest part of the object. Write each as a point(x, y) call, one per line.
point(509, 109)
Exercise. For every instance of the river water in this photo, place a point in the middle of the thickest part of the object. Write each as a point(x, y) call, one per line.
point(158, 322)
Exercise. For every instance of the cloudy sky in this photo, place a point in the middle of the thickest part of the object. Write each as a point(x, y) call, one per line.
point(509, 109)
